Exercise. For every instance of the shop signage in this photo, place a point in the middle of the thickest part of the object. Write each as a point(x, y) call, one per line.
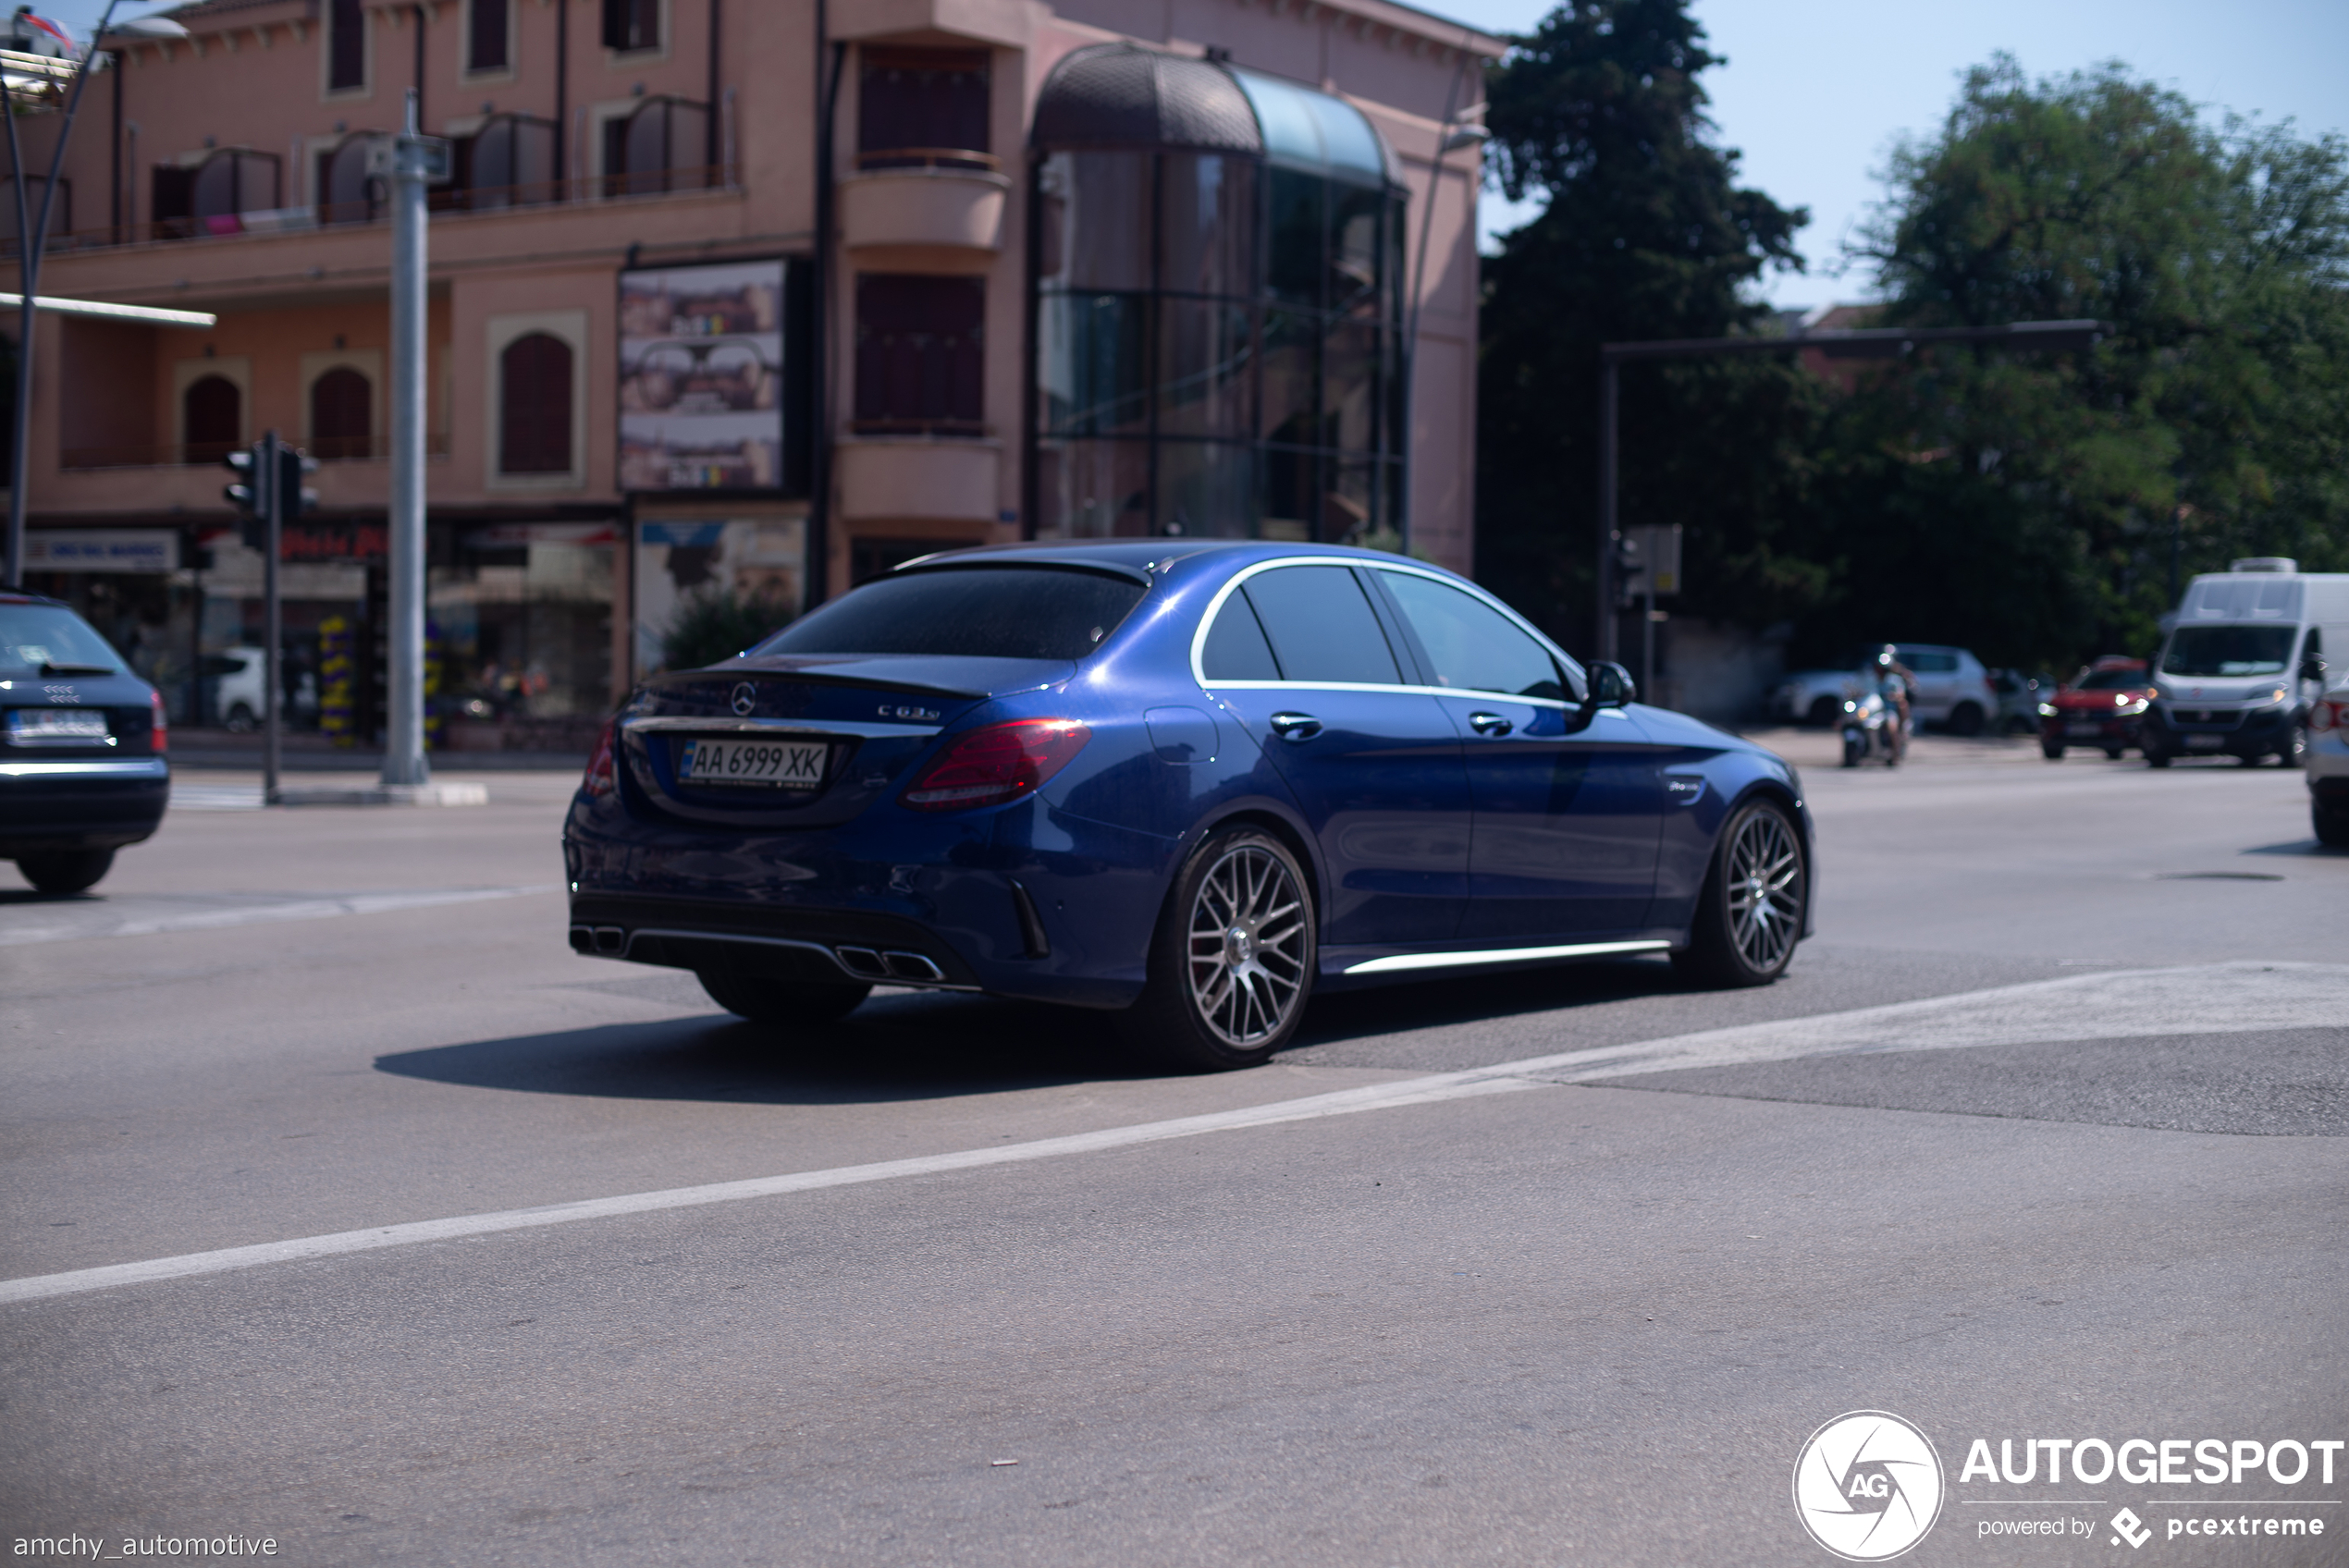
point(102, 549)
point(702, 377)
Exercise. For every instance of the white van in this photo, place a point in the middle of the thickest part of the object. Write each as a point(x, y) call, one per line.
point(2235, 672)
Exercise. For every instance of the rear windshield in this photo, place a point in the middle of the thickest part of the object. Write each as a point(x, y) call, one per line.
point(2227, 650)
point(2112, 680)
point(34, 635)
point(972, 612)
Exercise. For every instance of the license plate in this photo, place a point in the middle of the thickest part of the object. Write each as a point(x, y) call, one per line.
point(2204, 742)
point(773, 764)
point(57, 727)
point(2088, 728)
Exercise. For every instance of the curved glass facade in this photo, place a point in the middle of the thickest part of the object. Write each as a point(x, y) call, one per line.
point(1217, 338)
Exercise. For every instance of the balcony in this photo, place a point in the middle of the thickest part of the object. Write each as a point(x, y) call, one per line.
point(197, 454)
point(932, 197)
point(444, 201)
point(907, 477)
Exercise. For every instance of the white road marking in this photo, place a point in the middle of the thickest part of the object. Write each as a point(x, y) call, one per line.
point(137, 915)
point(2210, 998)
point(215, 796)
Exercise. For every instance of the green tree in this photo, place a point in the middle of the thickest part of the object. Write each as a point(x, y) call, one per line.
point(714, 624)
point(2031, 505)
point(1644, 233)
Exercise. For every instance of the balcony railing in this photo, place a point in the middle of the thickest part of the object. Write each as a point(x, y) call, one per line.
point(930, 158)
point(635, 185)
point(185, 454)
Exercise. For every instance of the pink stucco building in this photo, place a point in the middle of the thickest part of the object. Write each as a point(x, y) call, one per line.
point(1085, 267)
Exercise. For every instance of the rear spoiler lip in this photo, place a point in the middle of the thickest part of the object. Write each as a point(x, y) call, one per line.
point(1024, 675)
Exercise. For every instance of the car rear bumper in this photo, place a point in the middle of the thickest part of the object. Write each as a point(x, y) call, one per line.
point(51, 805)
point(1023, 901)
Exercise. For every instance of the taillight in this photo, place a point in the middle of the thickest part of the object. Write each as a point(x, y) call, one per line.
point(603, 768)
point(999, 763)
point(2332, 713)
point(159, 732)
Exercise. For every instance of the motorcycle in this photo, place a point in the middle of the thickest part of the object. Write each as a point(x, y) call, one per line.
point(1870, 725)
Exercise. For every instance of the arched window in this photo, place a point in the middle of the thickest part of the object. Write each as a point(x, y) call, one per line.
point(341, 414)
point(534, 405)
point(212, 418)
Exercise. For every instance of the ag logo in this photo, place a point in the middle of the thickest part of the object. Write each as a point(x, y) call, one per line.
point(746, 698)
point(1867, 1486)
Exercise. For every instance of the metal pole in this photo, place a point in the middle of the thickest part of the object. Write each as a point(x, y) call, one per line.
point(29, 250)
point(1647, 640)
point(273, 511)
point(404, 711)
point(1408, 359)
point(1603, 639)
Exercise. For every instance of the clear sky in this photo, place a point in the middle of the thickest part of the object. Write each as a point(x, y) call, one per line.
point(1816, 91)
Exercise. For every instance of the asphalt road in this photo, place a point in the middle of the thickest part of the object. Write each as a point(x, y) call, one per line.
point(2042, 1137)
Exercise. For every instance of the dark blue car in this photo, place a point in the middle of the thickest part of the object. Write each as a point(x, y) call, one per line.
point(1191, 781)
point(83, 769)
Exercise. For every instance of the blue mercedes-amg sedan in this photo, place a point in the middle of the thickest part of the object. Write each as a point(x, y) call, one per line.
point(1192, 782)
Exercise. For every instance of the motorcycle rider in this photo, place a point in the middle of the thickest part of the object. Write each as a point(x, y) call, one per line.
point(1897, 683)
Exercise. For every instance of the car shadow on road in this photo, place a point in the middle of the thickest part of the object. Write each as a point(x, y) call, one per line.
point(913, 1046)
point(894, 1047)
point(2308, 848)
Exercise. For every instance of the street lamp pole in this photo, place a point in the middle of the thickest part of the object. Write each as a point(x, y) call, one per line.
point(29, 245)
point(413, 161)
point(1850, 343)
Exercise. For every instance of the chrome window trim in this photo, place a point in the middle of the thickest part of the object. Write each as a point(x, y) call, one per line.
point(1215, 607)
point(141, 768)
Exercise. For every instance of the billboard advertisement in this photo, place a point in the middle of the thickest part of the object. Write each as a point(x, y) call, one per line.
point(702, 381)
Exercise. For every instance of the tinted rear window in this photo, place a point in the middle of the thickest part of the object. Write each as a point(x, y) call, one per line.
point(974, 612)
point(33, 635)
point(1322, 627)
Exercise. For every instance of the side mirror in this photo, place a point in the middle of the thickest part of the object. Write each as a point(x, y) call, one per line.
point(2312, 666)
point(1611, 686)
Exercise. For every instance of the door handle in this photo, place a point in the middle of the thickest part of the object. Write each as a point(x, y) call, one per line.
point(1490, 724)
point(1296, 726)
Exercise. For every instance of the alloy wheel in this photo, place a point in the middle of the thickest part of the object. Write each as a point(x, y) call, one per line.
point(1247, 946)
point(1766, 890)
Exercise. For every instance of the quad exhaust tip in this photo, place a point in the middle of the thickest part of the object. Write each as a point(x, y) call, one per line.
point(866, 964)
point(605, 941)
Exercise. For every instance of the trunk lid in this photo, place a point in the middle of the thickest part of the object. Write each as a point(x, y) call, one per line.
point(857, 722)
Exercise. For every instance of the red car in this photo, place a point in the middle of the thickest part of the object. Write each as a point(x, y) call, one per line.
point(2103, 706)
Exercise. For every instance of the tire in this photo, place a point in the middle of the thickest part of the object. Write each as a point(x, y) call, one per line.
point(2246, 759)
point(782, 1004)
point(1822, 712)
point(1965, 719)
point(1853, 750)
point(2158, 759)
point(66, 871)
point(1233, 961)
point(2332, 826)
point(240, 720)
point(2051, 750)
point(2113, 753)
point(1759, 865)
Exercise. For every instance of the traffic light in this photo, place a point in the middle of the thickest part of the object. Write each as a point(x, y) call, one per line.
point(270, 475)
point(249, 495)
point(293, 500)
